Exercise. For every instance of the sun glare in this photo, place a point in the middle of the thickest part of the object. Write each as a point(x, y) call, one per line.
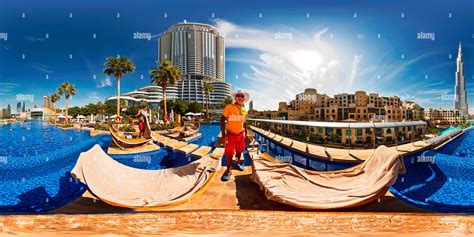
point(306, 60)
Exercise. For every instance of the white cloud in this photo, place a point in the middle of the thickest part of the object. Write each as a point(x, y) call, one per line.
point(354, 68)
point(93, 96)
point(286, 67)
point(392, 71)
point(317, 36)
point(42, 68)
point(7, 87)
point(105, 82)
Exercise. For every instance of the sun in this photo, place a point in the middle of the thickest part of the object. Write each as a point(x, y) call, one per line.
point(306, 60)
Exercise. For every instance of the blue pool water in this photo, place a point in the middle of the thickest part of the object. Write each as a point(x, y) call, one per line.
point(35, 164)
point(298, 158)
point(441, 180)
point(154, 160)
point(450, 129)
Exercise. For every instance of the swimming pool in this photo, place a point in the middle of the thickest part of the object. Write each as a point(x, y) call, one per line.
point(35, 163)
point(441, 180)
point(450, 129)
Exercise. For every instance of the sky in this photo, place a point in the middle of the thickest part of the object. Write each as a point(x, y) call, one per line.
point(274, 49)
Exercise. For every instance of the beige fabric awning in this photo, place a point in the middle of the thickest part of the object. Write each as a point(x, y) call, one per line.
point(355, 186)
point(124, 186)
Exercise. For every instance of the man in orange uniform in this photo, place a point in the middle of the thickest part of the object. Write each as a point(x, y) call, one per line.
point(234, 133)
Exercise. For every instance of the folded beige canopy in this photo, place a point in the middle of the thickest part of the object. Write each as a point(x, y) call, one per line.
point(124, 186)
point(358, 185)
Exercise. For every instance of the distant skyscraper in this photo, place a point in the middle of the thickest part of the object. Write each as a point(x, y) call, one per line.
point(18, 107)
point(460, 96)
point(197, 50)
point(9, 111)
point(23, 109)
point(46, 102)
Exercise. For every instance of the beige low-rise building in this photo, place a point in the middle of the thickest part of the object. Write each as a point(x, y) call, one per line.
point(356, 107)
point(444, 117)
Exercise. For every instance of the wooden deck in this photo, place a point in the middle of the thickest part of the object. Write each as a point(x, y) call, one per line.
point(238, 207)
point(275, 223)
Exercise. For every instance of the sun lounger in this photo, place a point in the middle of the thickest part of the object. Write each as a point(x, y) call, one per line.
point(201, 152)
point(173, 135)
point(176, 145)
point(277, 138)
point(188, 133)
point(300, 146)
point(420, 144)
point(286, 141)
point(271, 135)
point(124, 186)
point(188, 148)
point(316, 150)
point(218, 153)
point(175, 130)
point(186, 139)
point(165, 141)
point(355, 186)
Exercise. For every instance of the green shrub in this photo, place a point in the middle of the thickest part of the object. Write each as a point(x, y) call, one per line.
point(101, 126)
point(127, 128)
point(433, 131)
point(67, 125)
point(157, 127)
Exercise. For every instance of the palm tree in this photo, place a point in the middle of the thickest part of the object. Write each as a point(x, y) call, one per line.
point(118, 67)
point(55, 97)
point(207, 88)
point(166, 74)
point(227, 100)
point(68, 90)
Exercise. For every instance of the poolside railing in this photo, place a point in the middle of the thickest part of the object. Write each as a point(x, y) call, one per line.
point(329, 136)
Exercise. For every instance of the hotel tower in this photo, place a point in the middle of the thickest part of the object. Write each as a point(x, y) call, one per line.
point(460, 102)
point(198, 51)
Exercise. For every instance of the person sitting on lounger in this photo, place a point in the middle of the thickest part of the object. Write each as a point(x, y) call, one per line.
point(234, 133)
point(191, 130)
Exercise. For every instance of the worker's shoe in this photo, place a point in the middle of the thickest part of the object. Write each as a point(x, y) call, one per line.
point(226, 177)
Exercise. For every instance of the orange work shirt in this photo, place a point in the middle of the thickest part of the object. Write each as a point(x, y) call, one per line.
point(235, 116)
